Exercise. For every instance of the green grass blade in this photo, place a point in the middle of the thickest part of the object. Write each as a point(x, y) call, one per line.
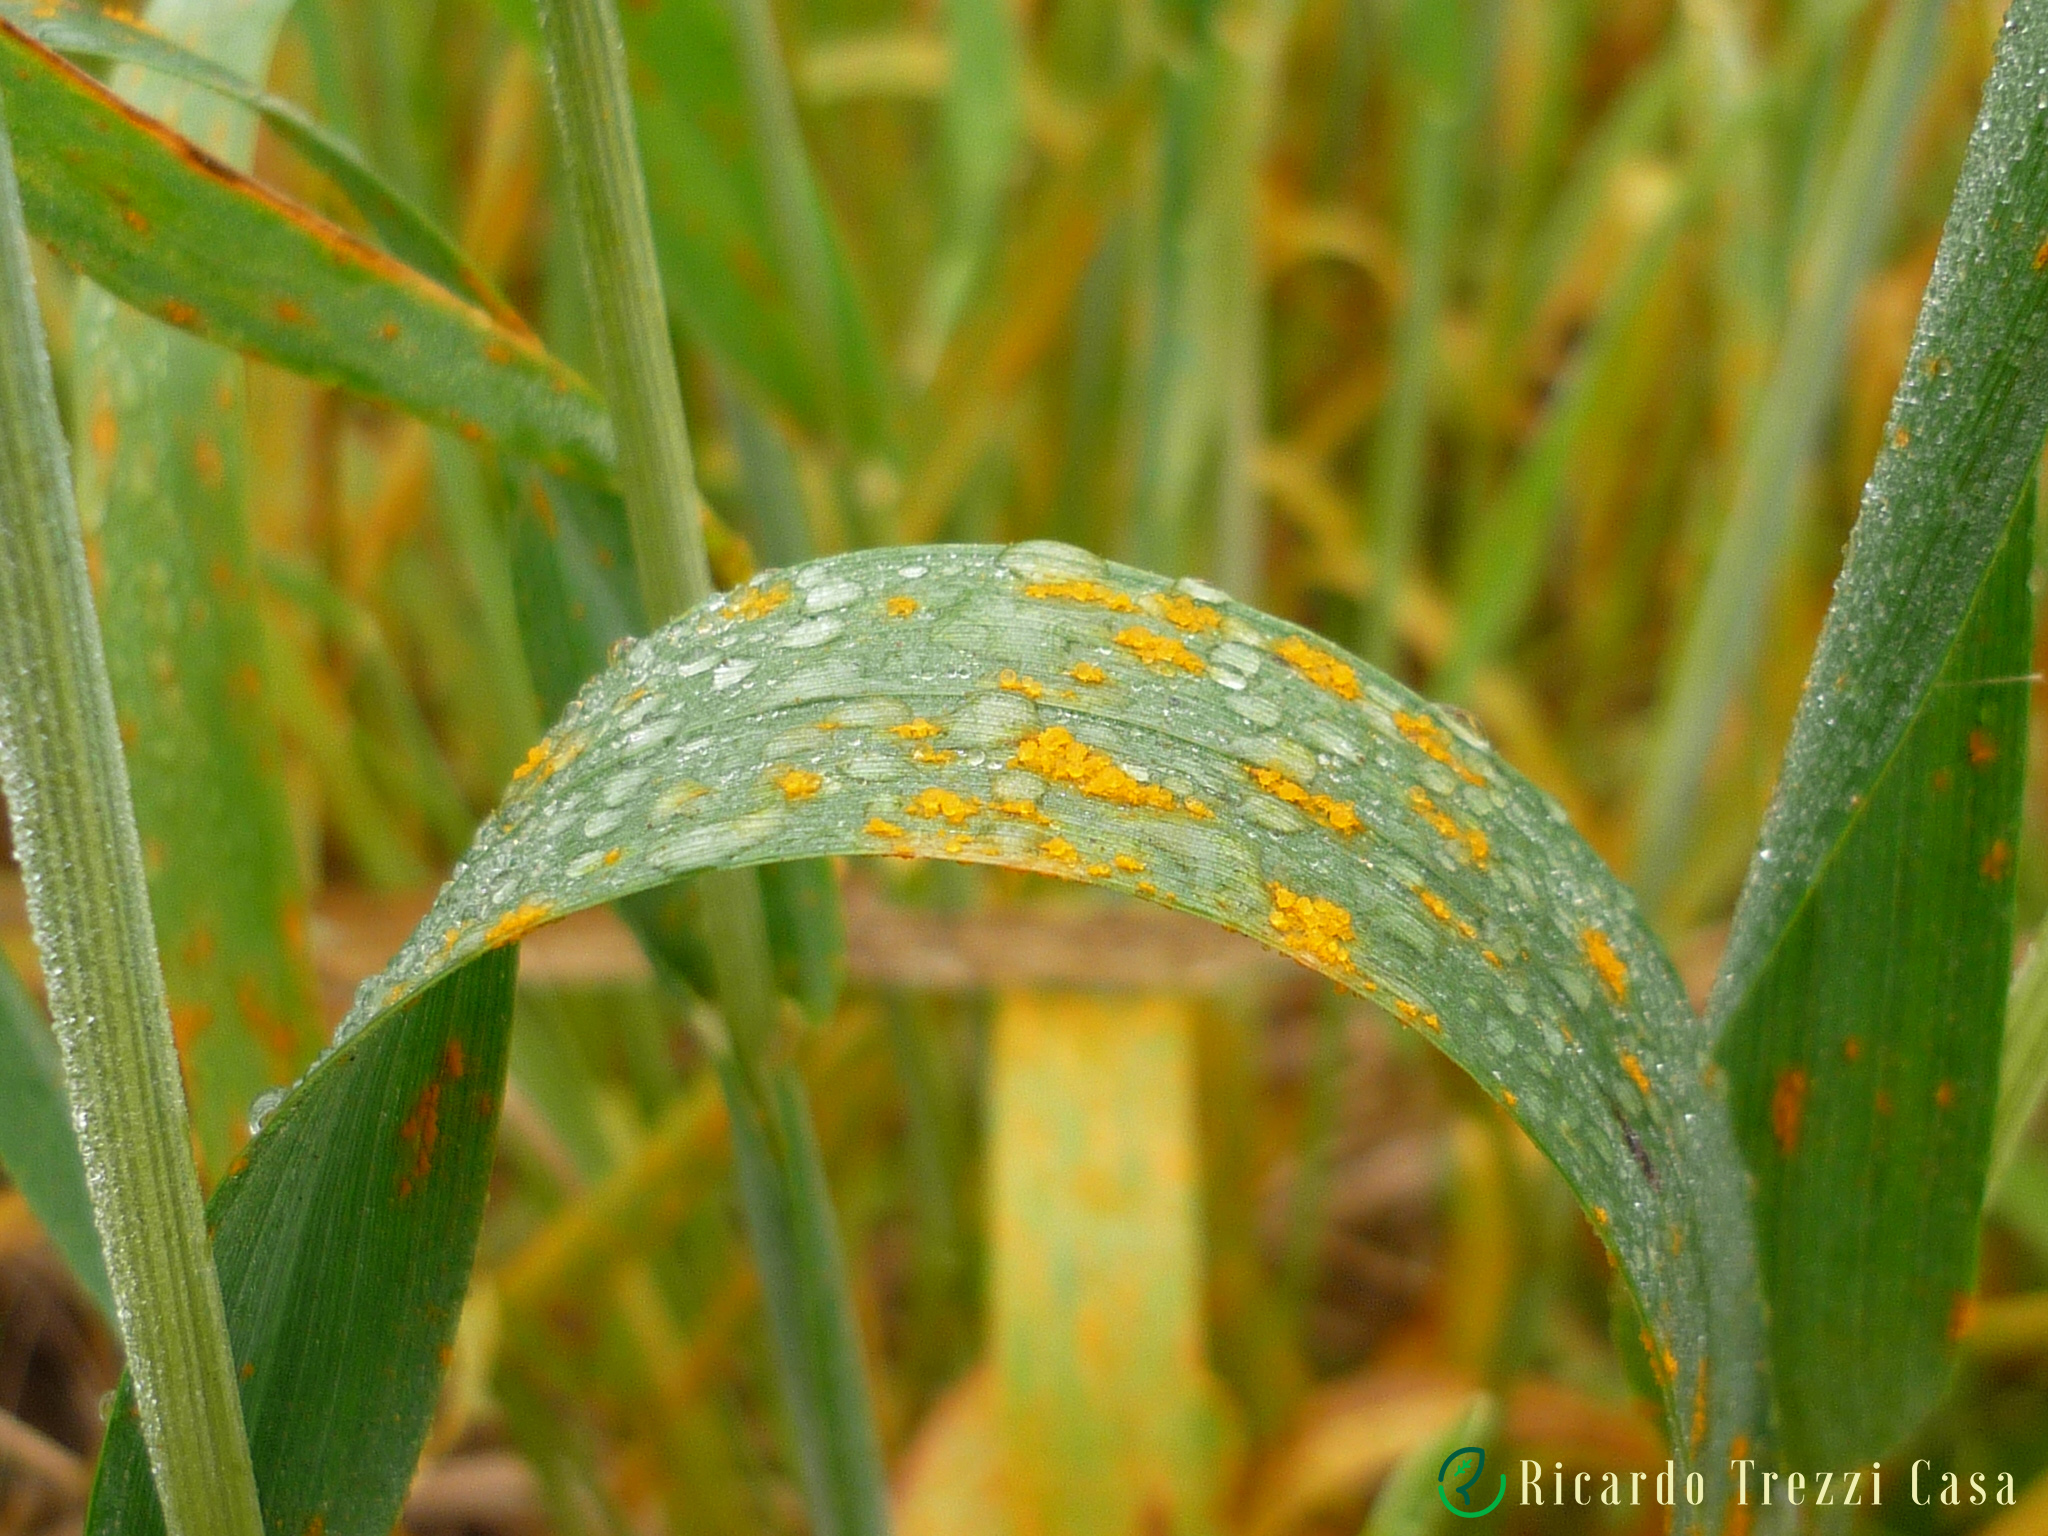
point(1443, 44)
point(146, 215)
point(1863, 1059)
point(982, 114)
point(406, 231)
point(38, 1148)
point(163, 486)
point(1721, 641)
point(82, 865)
point(794, 1228)
point(1372, 838)
point(344, 1248)
point(1922, 616)
point(2023, 1060)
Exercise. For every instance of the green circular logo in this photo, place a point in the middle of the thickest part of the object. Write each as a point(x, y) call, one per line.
point(1465, 1478)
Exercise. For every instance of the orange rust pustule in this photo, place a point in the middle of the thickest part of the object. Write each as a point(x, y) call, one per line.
point(1054, 755)
point(1092, 592)
point(799, 784)
point(1311, 927)
point(1433, 741)
point(1340, 816)
point(1161, 651)
point(1319, 667)
point(1183, 613)
point(754, 602)
point(936, 804)
point(1445, 826)
point(1788, 1108)
point(518, 923)
point(1607, 965)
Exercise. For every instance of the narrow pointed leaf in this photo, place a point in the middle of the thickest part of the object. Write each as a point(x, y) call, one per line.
point(344, 1247)
point(1872, 941)
point(1038, 709)
point(162, 458)
point(406, 232)
point(147, 214)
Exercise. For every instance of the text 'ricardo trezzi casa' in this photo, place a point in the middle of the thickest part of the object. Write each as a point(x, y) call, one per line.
point(1764, 1487)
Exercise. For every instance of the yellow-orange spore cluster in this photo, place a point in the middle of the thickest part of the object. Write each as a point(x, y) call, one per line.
point(1184, 613)
point(546, 759)
point(1083, 592)
point(754, 602)
point(1054, 755)
point(1440, 909)
point(1319, 667)
point(937, 804)
point(799, 784)
point(1607, 965)
point(1475, 841)
point(917, 730)
point(1432, 740)
point(1162, 651)
point(1312, 927)
point(518, 923)
point(1340, 816)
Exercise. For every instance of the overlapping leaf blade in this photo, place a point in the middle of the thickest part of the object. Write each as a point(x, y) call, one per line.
point(147, 214)
point(1037, 709)
point(1860, 999)
point(162, 459)
point(344, 1247)
point(38, 1149)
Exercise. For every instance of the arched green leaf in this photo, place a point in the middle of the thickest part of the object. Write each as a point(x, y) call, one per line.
point(1038, 709)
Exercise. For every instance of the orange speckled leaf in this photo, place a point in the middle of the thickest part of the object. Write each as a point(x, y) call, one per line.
point(750, 732)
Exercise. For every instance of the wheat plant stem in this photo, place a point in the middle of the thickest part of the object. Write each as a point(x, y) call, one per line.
point(795, 1235)
point(74, 833)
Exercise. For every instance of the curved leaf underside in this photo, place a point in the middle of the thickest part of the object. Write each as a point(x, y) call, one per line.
point(1039, 709)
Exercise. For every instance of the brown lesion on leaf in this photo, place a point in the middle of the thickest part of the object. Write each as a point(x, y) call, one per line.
point(1788, 1109)
point(1983, 748)
point(1997, 860)
point(420, 1131)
